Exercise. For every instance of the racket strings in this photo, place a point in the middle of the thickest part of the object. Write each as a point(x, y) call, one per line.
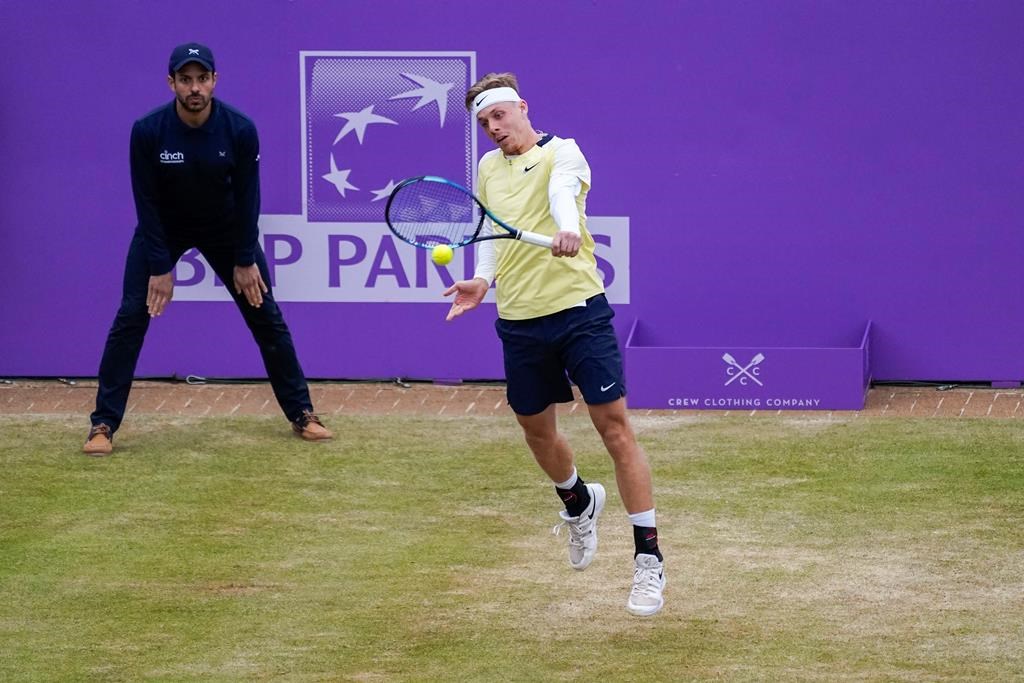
point(427, 213)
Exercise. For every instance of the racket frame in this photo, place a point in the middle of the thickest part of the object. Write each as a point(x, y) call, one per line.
point(510, 232)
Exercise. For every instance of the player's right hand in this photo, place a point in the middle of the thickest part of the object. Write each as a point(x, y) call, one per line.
point(159, 294)
point(468, 294)
point(566, 243)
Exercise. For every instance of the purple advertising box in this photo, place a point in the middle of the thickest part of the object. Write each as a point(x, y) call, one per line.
point(746, 377)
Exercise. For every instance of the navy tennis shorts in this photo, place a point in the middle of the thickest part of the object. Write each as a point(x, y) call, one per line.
point(543, 354)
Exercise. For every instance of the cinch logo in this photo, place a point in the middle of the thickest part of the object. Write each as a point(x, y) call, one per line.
point(172, 157)
point(743, 373)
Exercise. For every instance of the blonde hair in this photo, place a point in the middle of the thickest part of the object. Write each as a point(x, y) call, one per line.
point(505, 79)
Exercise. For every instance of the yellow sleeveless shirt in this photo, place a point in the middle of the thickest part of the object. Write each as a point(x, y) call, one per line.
point(532, 283)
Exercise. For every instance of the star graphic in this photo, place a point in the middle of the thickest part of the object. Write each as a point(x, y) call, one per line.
point(358, 121)
point(443, 212)
point(339, 178)
point(429, 91)
point(384, 192)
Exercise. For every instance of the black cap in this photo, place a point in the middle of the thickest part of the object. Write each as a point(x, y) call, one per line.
point(190, 52)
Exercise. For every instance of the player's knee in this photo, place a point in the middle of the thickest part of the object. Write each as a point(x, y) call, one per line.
point(539, 439)
point(616, 434)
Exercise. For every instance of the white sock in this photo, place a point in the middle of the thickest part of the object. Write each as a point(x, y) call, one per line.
point(568, 483)
point(643, 518)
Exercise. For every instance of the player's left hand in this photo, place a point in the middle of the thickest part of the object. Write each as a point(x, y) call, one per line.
point(249, 283)
point(565, 243)
point(468, 295)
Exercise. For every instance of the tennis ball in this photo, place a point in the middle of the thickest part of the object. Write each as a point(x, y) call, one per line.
point(441, 254)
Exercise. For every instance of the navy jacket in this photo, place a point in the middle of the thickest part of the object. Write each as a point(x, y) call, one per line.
point(196, 186)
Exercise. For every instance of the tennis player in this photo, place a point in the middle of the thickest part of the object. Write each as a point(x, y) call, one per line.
point(555, 325)
point(195, 177)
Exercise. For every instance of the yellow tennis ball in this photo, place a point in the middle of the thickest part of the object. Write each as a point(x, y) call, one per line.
point(441, 254)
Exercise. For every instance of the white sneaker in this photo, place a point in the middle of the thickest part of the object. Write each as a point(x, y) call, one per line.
point(648, 583)
point(583, 529)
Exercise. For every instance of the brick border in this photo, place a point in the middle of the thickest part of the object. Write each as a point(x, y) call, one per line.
point(45, 397)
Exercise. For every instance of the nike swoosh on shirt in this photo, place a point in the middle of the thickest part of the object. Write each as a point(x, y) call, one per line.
point(609, 386)
point(529, 168)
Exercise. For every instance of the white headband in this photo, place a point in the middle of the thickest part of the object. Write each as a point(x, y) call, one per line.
point(493, 96)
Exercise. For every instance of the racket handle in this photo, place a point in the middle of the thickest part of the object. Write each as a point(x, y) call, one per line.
point(535, 239)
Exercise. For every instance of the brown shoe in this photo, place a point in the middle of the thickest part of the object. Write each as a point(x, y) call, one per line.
point(310, 428)
point(99, 441)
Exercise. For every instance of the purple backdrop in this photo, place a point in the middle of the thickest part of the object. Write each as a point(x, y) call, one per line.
point(790, 171)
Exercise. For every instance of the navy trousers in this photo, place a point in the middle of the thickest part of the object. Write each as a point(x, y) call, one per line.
point(124, 341)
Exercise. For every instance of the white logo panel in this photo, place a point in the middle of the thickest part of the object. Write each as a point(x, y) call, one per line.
point(365, 262)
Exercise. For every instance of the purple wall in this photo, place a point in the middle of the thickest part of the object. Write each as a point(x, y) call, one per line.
point(790, 171)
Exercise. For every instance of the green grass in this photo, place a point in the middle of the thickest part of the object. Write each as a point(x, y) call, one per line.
point(413, 550)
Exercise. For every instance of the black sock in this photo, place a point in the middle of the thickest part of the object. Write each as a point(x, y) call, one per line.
point(576, 499)
point(645, 538)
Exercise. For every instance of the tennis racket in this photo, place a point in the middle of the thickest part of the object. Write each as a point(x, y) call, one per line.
point(427, 210)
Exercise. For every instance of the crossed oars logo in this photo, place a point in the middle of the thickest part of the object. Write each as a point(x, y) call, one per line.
point(737, 371)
